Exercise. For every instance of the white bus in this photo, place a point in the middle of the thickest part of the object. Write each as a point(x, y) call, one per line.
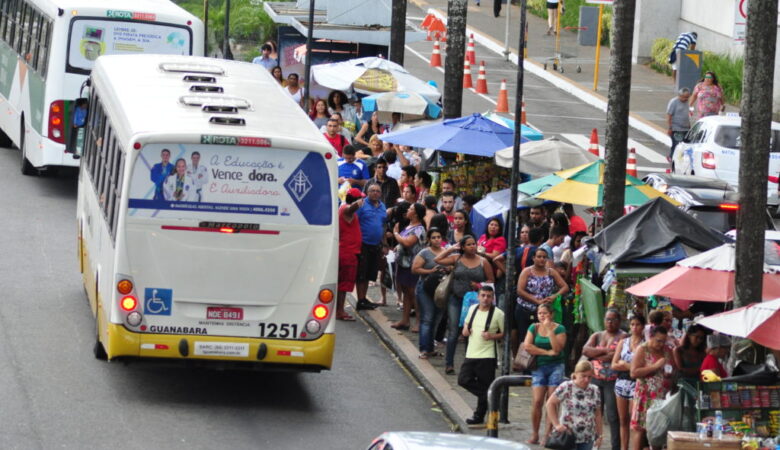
point(207, 223)
point(48, 48)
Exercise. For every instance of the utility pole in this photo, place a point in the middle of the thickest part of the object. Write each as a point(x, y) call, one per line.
point(619, 93)
point(398, 32)
point(205, 27)
point(307, 69)
point(453, 66)
point(226, 53)
point(756, 111)
point(510, 289)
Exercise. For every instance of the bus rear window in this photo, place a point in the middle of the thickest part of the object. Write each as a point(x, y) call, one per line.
point(231, 183)
point(93, 37)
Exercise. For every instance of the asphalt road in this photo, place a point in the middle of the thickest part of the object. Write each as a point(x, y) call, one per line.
point(54, 394)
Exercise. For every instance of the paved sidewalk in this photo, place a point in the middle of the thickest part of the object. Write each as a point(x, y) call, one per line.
point(456, 403)
point(650, 90)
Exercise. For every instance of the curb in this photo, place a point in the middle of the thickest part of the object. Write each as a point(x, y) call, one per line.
point(452, 405)
point(561, 82)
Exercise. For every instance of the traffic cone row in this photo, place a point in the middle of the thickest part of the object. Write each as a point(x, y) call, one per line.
point(631, 163)
point(481, 80)
point(594, 142)
point(471, 55)
point(439, 29)
point(436, 55)
point(502, 106)
point(467, 82)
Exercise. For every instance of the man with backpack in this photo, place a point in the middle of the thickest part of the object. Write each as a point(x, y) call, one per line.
point(483, 328)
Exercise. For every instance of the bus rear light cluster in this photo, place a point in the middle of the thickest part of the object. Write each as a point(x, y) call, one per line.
point(326, 296)
point(57, 121)
point(124, 287)
point(134, 319)
point(313, 327)
point(320, 312)
point(128, 303)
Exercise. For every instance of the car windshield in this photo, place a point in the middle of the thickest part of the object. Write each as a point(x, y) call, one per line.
point(729, 136)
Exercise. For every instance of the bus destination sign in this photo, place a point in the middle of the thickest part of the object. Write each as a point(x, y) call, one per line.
point(131, 15)
point(247, 141)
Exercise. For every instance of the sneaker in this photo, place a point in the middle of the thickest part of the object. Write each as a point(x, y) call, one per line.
point(363, 304)
point(475, 420)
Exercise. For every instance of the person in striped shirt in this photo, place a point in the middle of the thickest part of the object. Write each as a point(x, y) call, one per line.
point(685, 41)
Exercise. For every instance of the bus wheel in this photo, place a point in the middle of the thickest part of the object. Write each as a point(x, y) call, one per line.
point(27, 168)
point(98, 350)
point(5, 141)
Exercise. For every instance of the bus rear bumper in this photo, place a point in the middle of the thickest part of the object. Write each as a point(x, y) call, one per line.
point(255, 353)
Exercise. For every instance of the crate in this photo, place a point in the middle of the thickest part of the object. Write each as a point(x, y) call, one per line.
point(683, 440)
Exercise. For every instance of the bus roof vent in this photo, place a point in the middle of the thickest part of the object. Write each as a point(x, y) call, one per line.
point(223, 109)
point(192, 68)
point(227, 120)
point(214, 100)
point(205, 88)
point(200, 79)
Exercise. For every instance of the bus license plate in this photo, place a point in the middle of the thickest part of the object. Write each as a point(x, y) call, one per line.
point(221, 349)
point(222, 313)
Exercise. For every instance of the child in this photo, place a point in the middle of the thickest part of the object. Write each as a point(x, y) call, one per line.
point(479, 367)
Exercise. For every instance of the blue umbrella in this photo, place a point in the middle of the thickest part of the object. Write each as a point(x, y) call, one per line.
point(472, 135)
point(526, 131)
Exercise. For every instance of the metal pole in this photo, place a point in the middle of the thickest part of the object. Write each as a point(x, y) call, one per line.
point(307, 72)
point(512, 222)
point(598, 50)
point(205, 27)
point(496, 387)
point(506, 30)
point(225, 39)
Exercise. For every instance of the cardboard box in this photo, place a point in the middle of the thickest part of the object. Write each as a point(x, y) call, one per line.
point(682, 440)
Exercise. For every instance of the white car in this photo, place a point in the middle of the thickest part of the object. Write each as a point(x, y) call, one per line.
point(423, 440)
point(711, 150)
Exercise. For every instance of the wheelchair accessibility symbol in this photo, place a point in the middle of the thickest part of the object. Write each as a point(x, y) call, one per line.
point(158, 301)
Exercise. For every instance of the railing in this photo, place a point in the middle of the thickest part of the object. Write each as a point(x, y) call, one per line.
point(494, 395)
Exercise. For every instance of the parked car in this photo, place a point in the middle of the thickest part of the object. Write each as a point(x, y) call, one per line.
point(419, 440)
point(711, 150)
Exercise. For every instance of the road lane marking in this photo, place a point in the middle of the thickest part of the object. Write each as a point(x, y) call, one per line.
point(647, 153)
point(582, 141)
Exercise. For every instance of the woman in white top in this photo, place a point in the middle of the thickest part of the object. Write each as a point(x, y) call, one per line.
point(179, 186)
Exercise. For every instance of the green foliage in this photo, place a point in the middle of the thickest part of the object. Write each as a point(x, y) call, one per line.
point(728, 69)
point(571, 18)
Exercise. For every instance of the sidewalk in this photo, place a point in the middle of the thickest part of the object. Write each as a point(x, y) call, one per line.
point(650, 90)
point(456, 403)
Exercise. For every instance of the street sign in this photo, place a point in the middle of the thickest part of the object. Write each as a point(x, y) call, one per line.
point(740, 20)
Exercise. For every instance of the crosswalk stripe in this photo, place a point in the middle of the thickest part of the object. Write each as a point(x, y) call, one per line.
point(647, 153)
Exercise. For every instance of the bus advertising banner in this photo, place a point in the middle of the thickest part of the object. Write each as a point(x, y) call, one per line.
point(208, 182)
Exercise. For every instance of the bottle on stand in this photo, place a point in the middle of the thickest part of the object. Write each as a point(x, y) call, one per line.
point(709, 428)
point(718, 432)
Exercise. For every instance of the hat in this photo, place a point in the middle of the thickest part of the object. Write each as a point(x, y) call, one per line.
point(355, 193)
point(718, 340)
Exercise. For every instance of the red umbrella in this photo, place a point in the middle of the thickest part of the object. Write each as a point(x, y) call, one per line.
point(708, 277)
point(758, 322)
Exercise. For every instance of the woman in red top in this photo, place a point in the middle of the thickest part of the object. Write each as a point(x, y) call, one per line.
point(718, 346)
point(492, 243)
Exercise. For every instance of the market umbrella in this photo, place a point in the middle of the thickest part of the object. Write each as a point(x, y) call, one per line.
point(411, 104)
point(708, 276)
point(371, 75)
point(758, 322)
point(472, 135)
point(527, 132)
point(539, 158)
point(584, 185)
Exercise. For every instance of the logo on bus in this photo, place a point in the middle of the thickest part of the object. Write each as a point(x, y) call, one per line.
point(299, 185)
point(248, 141)
point(131, 15)
point(157, 301)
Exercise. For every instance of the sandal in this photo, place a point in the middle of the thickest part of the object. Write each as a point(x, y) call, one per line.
point(398, 326)
point(345, 317)
point(423, 355)
point(449, 371)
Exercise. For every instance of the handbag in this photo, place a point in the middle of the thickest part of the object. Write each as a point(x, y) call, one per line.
point(431, 282)
point(561, 440)
point(523, 361)
point(443, 291)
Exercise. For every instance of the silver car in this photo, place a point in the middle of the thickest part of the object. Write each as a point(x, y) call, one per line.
point(419, 440)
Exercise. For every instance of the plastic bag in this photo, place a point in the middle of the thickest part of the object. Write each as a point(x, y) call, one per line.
point(663, 416)
point(469, 299)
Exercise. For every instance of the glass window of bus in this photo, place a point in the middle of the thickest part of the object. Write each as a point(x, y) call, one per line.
point(42, 50)
point(35, 37)
point(113, 163)
point(32, 31)
point(3, 18)
point(14, 22)
point(91, 37)
point(100, 146)
point(108, 143)
point(118, 196)
point(24, 29)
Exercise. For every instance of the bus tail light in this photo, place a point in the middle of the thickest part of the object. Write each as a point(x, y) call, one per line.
point(134, 319)
point(320, 312)
point(124, 287)
point(708, 160)
point(313, 327)
point(57, 121)
point(326, 296)
point(128, 303)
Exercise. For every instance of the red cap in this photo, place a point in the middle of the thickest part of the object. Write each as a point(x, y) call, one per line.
point(355, 193)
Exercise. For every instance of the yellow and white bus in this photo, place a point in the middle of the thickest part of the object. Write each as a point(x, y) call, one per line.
point(48, 48)
point(207, 223)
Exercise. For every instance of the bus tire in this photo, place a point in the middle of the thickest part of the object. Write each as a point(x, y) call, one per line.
point(5, 141)
point(98, 350)
point(26, 167)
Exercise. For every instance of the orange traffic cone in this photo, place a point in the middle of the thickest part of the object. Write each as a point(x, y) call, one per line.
point(436, 55)
point(503, 99)
point(522, 113)
point(481, 80)
point(631, 163)
point(427, 21)
point(467, 82)
point(470, 53)
point(594, 142)
point(437, 26)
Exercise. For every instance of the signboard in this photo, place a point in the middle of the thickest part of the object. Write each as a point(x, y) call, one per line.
point(740, 21)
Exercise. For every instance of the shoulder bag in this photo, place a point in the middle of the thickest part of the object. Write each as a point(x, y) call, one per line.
point(561, 440)
point(524, 361)
point(444, 289)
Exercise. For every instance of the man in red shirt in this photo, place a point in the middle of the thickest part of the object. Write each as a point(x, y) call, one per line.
point(575, 222)
point(350, 240)
point(334, 137)
point(718, 346)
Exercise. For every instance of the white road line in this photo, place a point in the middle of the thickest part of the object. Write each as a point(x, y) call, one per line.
point(582, 142)
point(414, 52)
point(565, 117)
point(651, 169)
point(647, 153)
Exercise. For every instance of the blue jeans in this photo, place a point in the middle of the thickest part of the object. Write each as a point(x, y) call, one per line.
point(454, 305)
point(584, 446)
point(548, 375)
point(430, 316)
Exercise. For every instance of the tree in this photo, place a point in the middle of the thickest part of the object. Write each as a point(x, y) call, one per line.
point(453, 65)
point(756, 111)
point(618, 96)
point(398, 32)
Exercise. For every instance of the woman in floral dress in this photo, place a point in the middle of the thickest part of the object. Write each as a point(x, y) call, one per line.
point(576, 406)
point(707, 96)
point(653, 368)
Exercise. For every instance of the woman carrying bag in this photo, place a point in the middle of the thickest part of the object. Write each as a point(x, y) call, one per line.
point(575, 409)
point(431, 274)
